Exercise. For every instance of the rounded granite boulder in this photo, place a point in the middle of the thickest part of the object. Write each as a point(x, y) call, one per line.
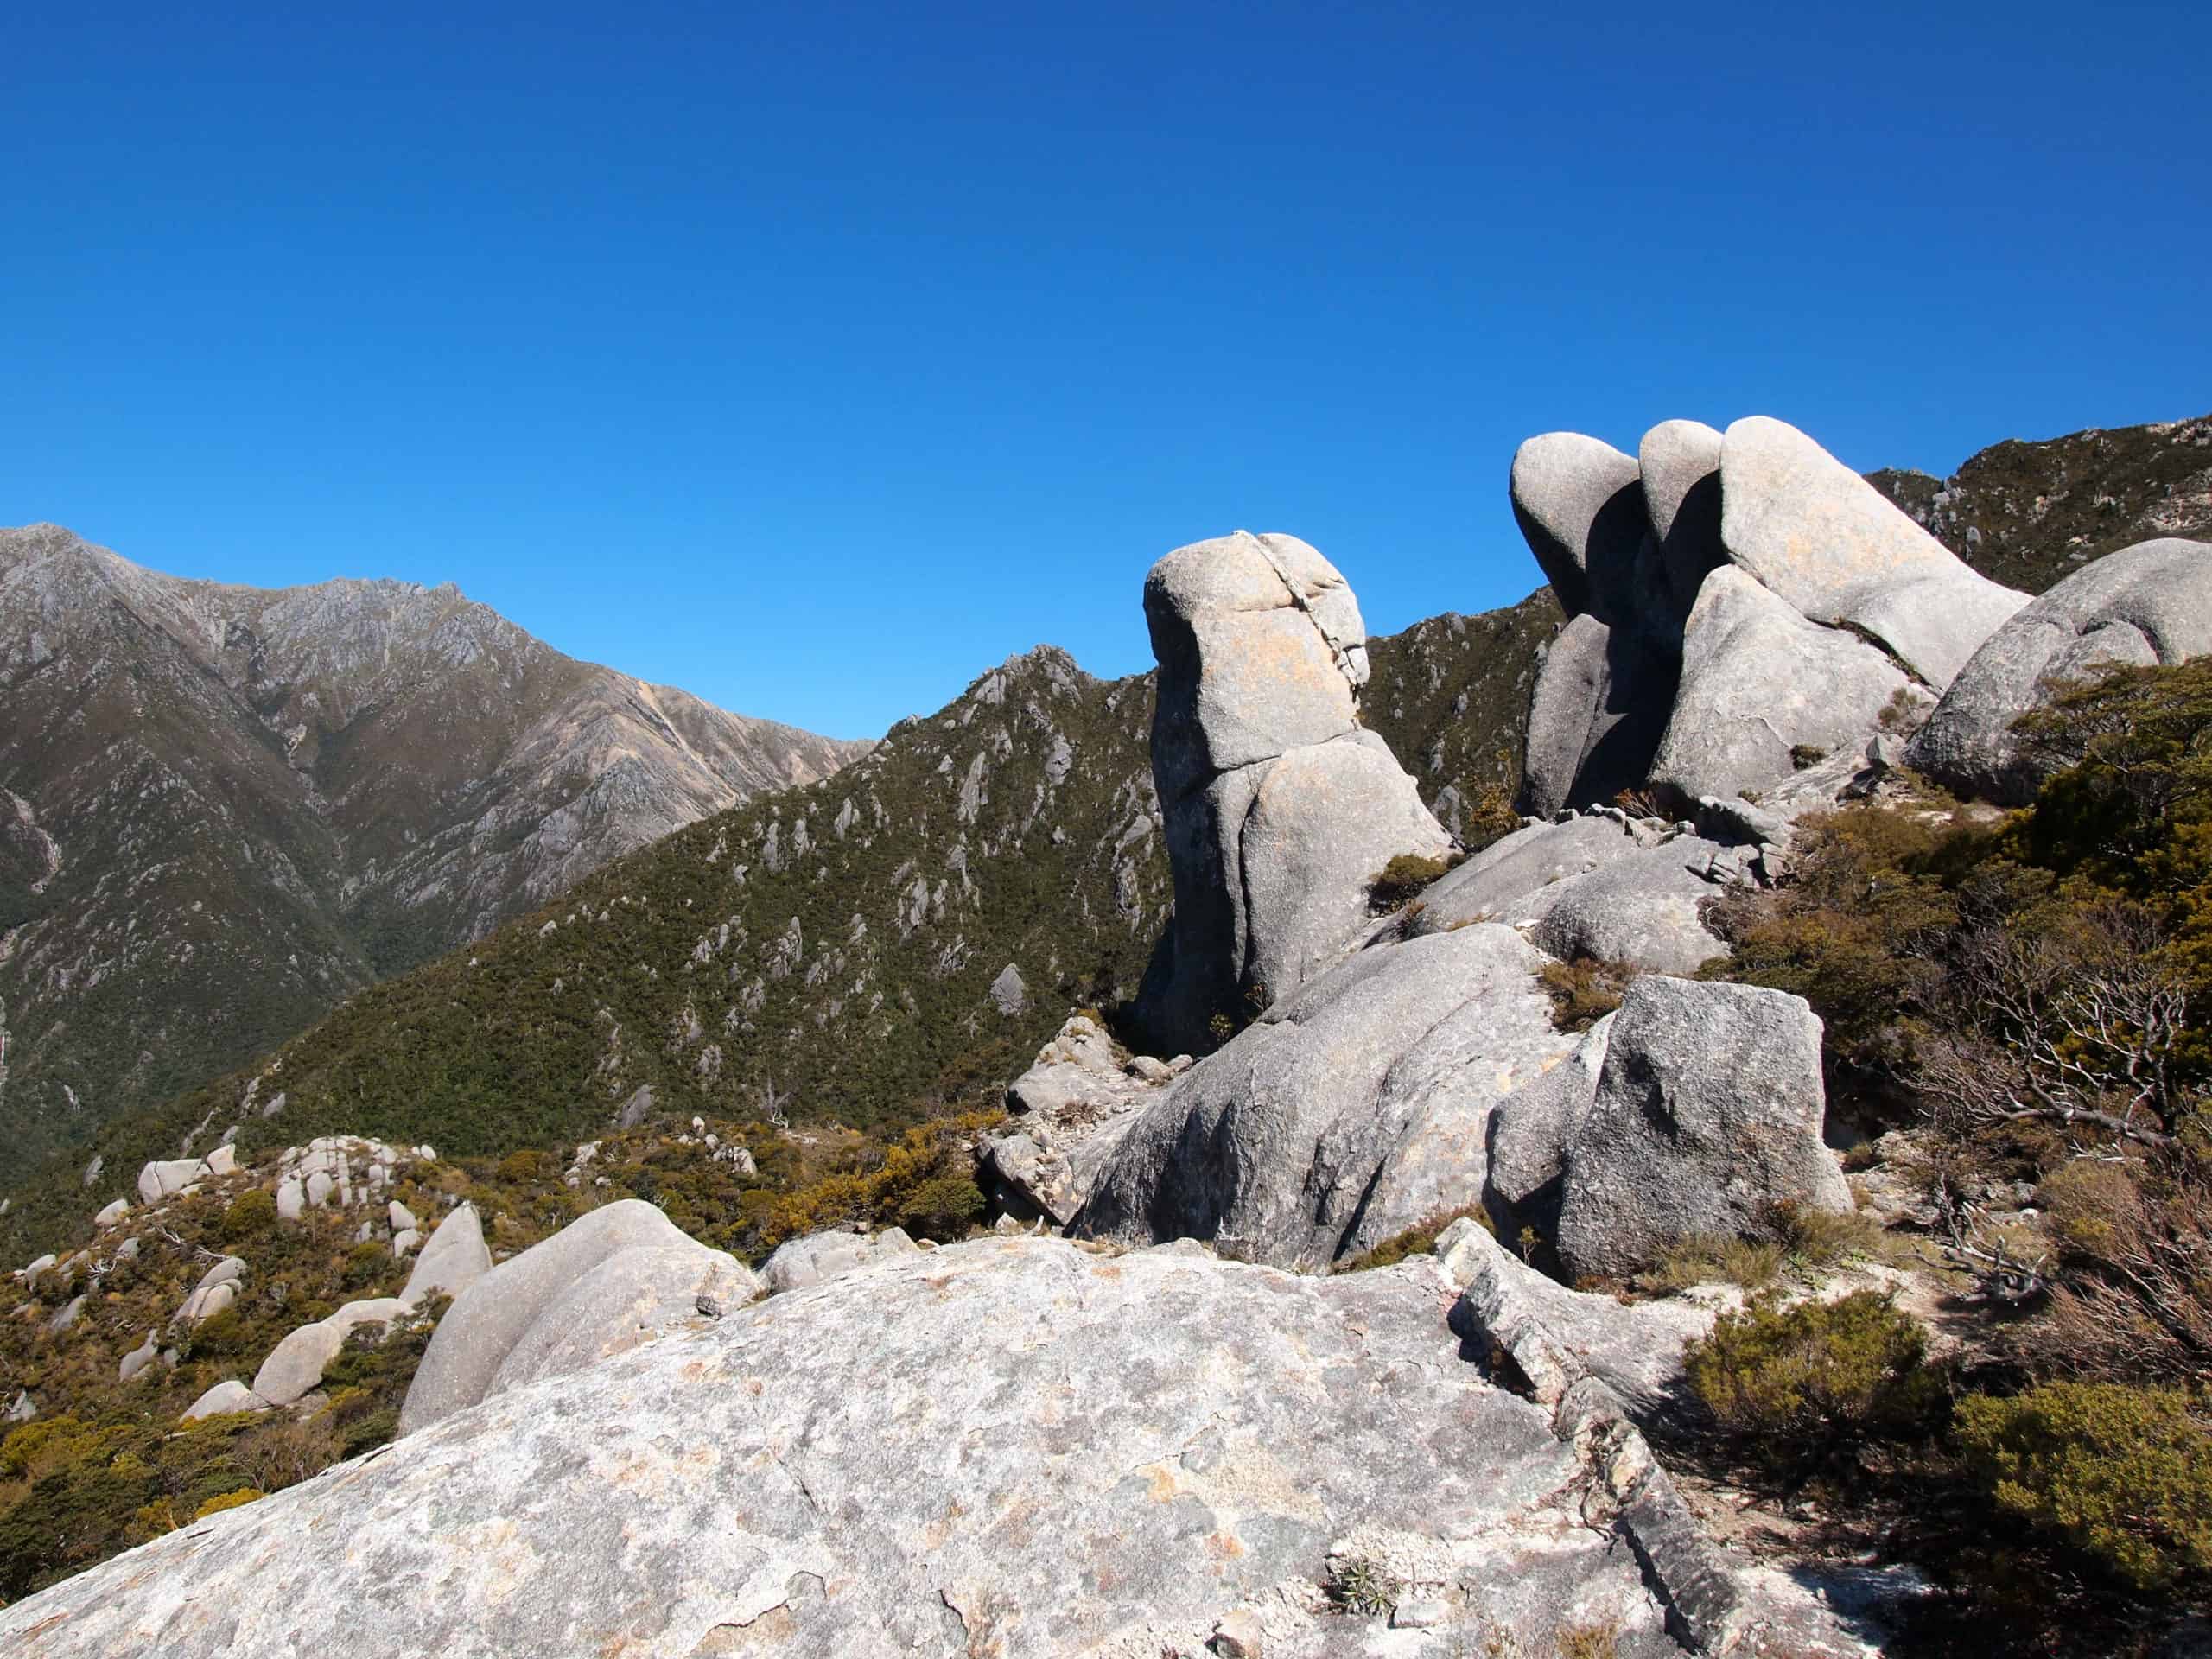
point(607, 1281)
point(2147, 604)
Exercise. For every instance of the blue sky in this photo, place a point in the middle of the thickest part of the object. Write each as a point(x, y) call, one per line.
point(814, 358)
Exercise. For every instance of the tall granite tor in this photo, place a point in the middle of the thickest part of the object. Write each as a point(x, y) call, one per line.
point(1280, 808)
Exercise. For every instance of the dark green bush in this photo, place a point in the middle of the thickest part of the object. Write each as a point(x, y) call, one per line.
point(1798, 1378)
point(250, 1214)
point(2124, 1475)
point(1403, 877)
point(367, 1262)
point(943, 1207)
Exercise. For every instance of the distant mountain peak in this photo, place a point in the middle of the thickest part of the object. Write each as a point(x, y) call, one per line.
point(270, 797)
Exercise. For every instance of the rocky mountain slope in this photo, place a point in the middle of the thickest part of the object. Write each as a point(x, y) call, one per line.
point(1561, 1042)
point(224, 809)
point(2029, 514)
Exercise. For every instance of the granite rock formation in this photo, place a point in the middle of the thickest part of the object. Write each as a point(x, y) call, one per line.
point(1280, 808)
point(1736, 602)
point(2146, 605)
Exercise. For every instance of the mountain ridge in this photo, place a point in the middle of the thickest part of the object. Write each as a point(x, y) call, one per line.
point(357, 773)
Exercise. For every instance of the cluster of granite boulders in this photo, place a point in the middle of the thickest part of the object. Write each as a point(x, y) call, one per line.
point(1366, 1099)
point(1736, 602)
point(339, 1170)
point(182, 1177)
point(455, 1257)
point(1740, 601)
point(1279, 807)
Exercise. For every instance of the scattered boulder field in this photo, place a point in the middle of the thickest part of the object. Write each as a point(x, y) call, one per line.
point(1165, 1423)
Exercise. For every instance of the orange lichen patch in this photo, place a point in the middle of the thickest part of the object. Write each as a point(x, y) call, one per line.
point(1017, 1525)
point(1162, 1483)
point(935, 1535)
point(1224, 1546)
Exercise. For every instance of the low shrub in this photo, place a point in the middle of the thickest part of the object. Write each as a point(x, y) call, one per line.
point(1359, 1586)
point(1796, 1379)
point(2124, 1475)
point(1822, 1238)
point(249, 1215)
point(367, 1262)
point(1403, 877)
point(1707, 1259)
point(245, 1495)
point(2133, 1299)
point(943, 1207)
point(1419, 1239)
point(1583, 991)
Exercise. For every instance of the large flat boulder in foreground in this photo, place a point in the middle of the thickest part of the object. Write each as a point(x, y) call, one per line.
point(1010, 1446)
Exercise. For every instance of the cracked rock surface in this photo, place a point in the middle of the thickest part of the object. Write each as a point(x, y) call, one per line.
point(1011, 1446)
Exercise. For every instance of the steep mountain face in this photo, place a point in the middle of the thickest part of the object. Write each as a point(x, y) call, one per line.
point(224, 808)
point(2029, 514)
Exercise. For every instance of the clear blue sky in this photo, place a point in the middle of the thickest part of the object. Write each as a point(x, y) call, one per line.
point(815, 356)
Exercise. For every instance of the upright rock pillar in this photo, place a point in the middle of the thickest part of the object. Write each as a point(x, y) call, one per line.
point(1281, 807)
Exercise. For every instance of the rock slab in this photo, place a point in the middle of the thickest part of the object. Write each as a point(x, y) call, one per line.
point(1010, 1446)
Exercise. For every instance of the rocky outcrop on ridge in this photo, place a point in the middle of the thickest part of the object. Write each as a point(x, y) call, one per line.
point(618, 1276)
point(1736, 601)
point(1280, 808)
point(1365, 1101)
point(861, 1465)
point(2146, 605)
point(223, 809)
point(1066, 1112)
